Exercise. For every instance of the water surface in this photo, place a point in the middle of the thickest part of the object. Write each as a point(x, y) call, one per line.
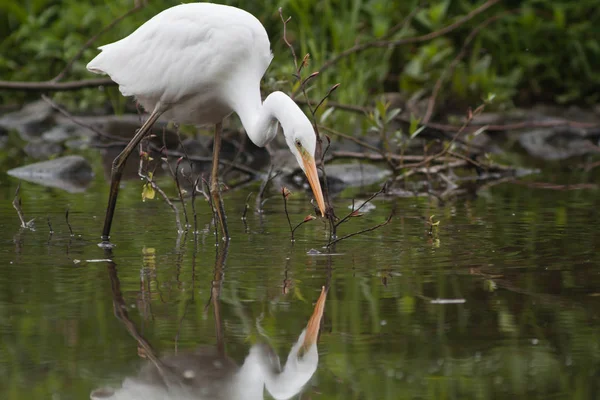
point(502, 302)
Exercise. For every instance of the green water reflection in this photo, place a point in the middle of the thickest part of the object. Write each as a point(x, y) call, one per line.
point(521, 265)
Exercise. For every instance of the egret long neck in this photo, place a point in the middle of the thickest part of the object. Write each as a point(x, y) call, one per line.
point(260, 120)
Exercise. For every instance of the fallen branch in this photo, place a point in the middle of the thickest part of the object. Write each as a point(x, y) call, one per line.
point(50, 86)
point(379, 157)
point(556, 122)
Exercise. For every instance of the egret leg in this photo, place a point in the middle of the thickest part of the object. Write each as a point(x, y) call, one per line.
point(215, 190)
point(117, 172)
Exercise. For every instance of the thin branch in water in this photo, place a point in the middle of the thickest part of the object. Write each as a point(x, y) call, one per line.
point(387, 221)
point(49, 225)
point(306, 219)
point(68, 223)
point(175, 175)
point(246, 207)
point(353, 212)
point(285, 193)
point(194, 191)
point(263, 187)
point(17, 205)
point(149, 180)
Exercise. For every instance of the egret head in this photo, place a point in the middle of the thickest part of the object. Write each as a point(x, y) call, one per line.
point(303, 143)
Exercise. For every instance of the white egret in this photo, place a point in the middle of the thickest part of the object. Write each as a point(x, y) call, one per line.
point(206, 374)
point(197, 63)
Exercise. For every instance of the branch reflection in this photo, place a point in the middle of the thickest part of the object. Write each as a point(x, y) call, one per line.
point(207, 372)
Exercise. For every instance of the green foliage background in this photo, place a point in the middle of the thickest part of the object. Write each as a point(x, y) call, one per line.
point(541, 50)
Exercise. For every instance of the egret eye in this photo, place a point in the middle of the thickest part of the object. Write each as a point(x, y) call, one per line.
point(298, 143)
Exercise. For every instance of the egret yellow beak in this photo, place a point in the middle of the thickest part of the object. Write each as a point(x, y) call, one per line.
point(310, 168)
point(314, 323)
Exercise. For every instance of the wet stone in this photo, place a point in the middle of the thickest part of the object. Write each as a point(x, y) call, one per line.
point(42, 150)
point(557, 144)
point(30, 121)
point(70, 173)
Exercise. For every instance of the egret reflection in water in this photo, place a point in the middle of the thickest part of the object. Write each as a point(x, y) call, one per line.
point(207, 373)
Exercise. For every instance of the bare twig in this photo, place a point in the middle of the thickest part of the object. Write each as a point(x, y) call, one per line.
point(285, 21)
point(67, 114)
point(263, 187)
point(387, 221)
point(246, 206)
point(378, 157)
point(180, 193)
point(68, 223)
point(353, 212)
point(154, 186)
point(91, 40)
point(470, 115)
point(194, 191)
point(349, 137)
point(416, 39)
point(17, 205)
point(285, 193)
point(329, 92)
point(55, 86)
point(555, 122)
point(236, 166)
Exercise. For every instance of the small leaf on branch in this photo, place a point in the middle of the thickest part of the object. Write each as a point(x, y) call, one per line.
point(148, 192)
point(356, 214)
point(285, 192)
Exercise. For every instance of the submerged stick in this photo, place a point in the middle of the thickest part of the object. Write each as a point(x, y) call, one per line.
point(68, 223)
point(17, 205)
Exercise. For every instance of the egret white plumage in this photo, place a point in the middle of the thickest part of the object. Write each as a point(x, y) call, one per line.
point(206, 374)
point(197, 63)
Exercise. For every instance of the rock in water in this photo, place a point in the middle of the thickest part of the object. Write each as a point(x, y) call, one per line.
point(557, 143)
point(70, 173)
point(357, 174)
point(31, 121)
